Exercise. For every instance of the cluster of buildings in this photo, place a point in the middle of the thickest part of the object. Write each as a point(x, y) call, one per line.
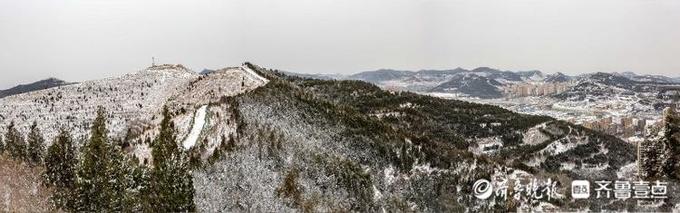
point(623, 127)
point(526, 89)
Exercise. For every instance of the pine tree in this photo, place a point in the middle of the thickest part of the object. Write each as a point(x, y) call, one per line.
point(130, 180)
point(92, 183)
point(137, 179)
point(36, 145)
point(671, 140)
point(100, 185)
point(2, 146)
point(661, 157)
point(60, 165)
point(171, 186)
point(652, 157)
point(16, 145)
point(195, 157)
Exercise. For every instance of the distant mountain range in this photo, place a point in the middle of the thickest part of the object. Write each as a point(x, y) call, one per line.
point(649, 78)
point(35, 86)
point(206, 71)
point(557, 77)
point(485, 82)
point(471, 84)
point(482, 82)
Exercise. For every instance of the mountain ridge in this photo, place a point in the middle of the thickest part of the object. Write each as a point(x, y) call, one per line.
point(438, 80)
point(298, 144)
point(404, 111)
point(30, 87)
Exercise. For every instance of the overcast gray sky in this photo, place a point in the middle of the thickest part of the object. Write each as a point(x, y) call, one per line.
point(81, 40)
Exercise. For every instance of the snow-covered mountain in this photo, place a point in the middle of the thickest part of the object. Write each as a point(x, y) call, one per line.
point(557, 78)
point(134, 100)
point(301, 141)
point(206, 71)
point(648, 78)
point(315, 76)
point(485, 82)
point(38, 85)
point(482, 82)
point(602, 85)
point(381, 75)
point(290, 143)
point(471, 84)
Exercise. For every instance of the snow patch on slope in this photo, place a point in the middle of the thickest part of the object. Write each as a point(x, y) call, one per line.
point(254, 74)
point(534, 136)
point(199, 122)
point(129, 99)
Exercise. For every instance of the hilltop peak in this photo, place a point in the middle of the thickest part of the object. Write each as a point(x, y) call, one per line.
point(160, 67)
point(484, 69)
point(172, 69)
point(35, 86)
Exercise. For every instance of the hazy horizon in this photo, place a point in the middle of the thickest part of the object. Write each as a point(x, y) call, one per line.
point(86, 40)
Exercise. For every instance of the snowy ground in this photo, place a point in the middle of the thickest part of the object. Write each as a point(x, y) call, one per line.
point(133, 102)
point(254, 74)
point(132, 98)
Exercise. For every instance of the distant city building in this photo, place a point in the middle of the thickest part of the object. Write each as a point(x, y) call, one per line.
point(526, 89)
point(625, 127)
